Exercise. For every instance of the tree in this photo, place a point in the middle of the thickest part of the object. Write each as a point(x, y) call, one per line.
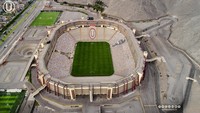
point(99, 6)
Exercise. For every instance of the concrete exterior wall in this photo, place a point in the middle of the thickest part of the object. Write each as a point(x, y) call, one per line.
point(84, 90)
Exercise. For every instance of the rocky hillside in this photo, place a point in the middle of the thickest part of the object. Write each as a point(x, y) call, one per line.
point(135, 9)
point(185, 33)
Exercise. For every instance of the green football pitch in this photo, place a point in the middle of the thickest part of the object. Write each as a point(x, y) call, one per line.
point(92, 59)
point(9, 102)
point(45, 19)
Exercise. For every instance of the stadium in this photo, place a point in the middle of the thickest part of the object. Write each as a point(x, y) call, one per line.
point(90, 58)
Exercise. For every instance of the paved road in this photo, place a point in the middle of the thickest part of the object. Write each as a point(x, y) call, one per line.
point(11, 43)
point(14, 38)
point(148, 89)
point(14, 71)
point(173, 57)
point(146, 101)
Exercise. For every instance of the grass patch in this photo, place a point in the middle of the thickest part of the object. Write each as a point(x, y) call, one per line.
point(1, 42)
point(9, 102)
point(36, 103)
point(28, 75)
point(92, 59)
point(45, 19)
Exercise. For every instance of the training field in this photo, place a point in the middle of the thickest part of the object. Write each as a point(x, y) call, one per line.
point(45, 19)
point(9, 102)
point(92, 59)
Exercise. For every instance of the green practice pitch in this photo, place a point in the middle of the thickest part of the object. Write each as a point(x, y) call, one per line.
point(45, 19)
point(9, 102)
point(92, 59)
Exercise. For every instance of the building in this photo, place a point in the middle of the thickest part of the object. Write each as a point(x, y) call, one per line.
point(109, 89)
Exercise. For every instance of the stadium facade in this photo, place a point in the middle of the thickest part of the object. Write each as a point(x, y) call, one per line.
point(70, 90)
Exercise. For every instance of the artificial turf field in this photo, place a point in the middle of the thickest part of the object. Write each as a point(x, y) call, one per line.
point(45, 19)
point(9, 102)
point(92, 59)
